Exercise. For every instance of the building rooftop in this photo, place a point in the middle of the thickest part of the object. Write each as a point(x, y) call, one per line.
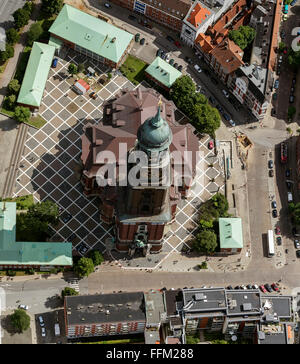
point(231, 233)
point(154, 307)
point(198, 14)
point(28, 253)
point(243, 302)
point(91, 33)
point(114, 307)
point(36, 74)
point(176, 8)
point(174, 301)
point(212, 299)
point(276, 305)
point(163, 72)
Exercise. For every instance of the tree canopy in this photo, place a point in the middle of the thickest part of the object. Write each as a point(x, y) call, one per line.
point(96, 257)
point(13, 87)
point(20, 320)
point(84, 267)
point(206, 241)
point(72, 69)
point(22, 114)
point(21, 18)
point(12, 36)
point(9, 102)
point(51, 7)
point(294, 210)
point(34, 33)
point(46, 211)
point(243, 36)
point(68, 291)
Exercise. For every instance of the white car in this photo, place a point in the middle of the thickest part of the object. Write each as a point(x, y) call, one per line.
point(232, 123)
point(23, 307)
point(226, 94)
point(197, 68)
point(41, 321)
point(243, 286)
point(255, 286)
point(43, 332)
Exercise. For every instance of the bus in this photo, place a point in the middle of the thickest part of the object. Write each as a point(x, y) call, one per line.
point(283, 152)
point(271, 248)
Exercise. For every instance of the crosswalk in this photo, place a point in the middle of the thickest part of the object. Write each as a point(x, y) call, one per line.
point(74, 284)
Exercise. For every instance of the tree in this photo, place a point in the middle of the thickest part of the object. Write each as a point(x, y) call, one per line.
point(3, 56)
point(182, 93)
point(294, 210)
point(96, 257)
point(30, 228)
point(20, 320)
point(29, 6)
point(34, 33)
point(46, 211)
point(220, 203)
point(51, 7)
point(294, 58)
point(72, 69)
point(9, 102)
point(243, 36)
point(80, 67)
point(206, 119)
point(12, 36)
point(22, 114)
point(21, 18)
point(206, 241)
point(10, 51)
point(281, 46)
point(84, 267)
point(68, 291)
point(13, 87)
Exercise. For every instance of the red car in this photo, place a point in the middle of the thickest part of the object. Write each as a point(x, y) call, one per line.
point(275, 287)
point(277, 230)
point(262, 288)
point(211, 145)
point(177, 44)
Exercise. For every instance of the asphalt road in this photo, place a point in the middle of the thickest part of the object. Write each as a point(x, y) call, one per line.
point(7, 8)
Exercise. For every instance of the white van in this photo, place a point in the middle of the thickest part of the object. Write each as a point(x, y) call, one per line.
point(290, 197)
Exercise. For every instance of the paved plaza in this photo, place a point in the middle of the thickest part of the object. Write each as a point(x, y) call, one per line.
point(50, 169)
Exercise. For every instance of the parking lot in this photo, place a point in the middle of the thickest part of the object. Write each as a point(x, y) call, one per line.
point(47, 323)
point(49, 167)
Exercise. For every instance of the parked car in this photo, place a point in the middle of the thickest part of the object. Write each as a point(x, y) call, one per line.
point(41, 321)
point(255, 286)
point(292, 90)
point(297, 244)
point(131, 17)
point(237, 287)
point(280, 58)
point(231, 122)
point(282, 34)
point(271, 173)
point(226, 94)
point(274, 205)
point(277, 230)
point(294, 81)
point(293, 3)
point(137, 37)
point(142, 41)
point(262, 288)
point(268, 287)
point(23, 307)
point(274, 96)
point(229, 287)
point(291, 99)
point(212, 99)
point(43, 332)
point(275, 287)
point(278, 72)
point(289, 185)
point(197, 68)
point(288, 172)
point(93, 95)
point(220, 109)
point(170, 39)
point(298, 253)
point(211, 145)
point(226, 116)
point(54, 62)
point(243, 286)
point(274, 213)
point(270, 164)
point(249, 286)
point(189, 60)
point(276, 84)
point(180, 68)
point(279, 240)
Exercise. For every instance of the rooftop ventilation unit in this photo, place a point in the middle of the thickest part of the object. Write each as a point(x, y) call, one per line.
point(200, 296)
point(247, 307)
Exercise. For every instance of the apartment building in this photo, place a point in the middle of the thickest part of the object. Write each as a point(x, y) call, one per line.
point(169, 13)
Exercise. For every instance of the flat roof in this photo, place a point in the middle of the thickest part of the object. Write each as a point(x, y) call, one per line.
point(231, 233)
point(173, 298)
point(36, 74)
point(91, 33)
point(154, 306)
point(28, 253)
point(280, 305)
point(243, 302)
point(163, 72)
point(113, 307)
point(212, 299)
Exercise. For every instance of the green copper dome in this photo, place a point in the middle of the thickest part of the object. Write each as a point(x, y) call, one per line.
point(155, 135)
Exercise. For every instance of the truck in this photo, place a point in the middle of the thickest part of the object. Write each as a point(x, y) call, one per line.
point(57, 330)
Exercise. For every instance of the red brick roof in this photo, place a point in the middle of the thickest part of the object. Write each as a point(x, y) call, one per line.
point(197, 15)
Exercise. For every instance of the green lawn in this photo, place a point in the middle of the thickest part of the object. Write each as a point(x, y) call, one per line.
point(36, 121)
point(7, 112)
point(134, 69)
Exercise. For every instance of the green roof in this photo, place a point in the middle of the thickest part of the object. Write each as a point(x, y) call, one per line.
point(55, 42)
point(231, 233)
point(36, 74)
point(91, 33)
point(163, 72)
point(28, 253)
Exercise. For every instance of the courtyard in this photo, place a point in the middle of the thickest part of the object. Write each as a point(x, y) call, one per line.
point(50, 169)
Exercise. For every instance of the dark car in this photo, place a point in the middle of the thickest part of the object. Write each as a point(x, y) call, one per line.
point(276, 84)
point(142, 41)
point(279, 240)
point(297, 244)
point(238, 287)
point(158, 53)
point(274, 96)
point(270, 164)
point(175, 65)
point(226, 116)
point(137, 37)
point(289, 185)
point(249, 286)
point(131, 17)
point(291, 99)
point(274, 205)
point(273, 111)
point(282, 34)
point(274, 213)
point(278, 72)
point(212, 99)
point(294, 81)
point(172, 61)
point(229, 287)
point(54, 63)
point(188, 59)
point(220, 109)
point(268, 287)
point(288, 172)
point(298, 253)
point(179, 68)
point(170, 39)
